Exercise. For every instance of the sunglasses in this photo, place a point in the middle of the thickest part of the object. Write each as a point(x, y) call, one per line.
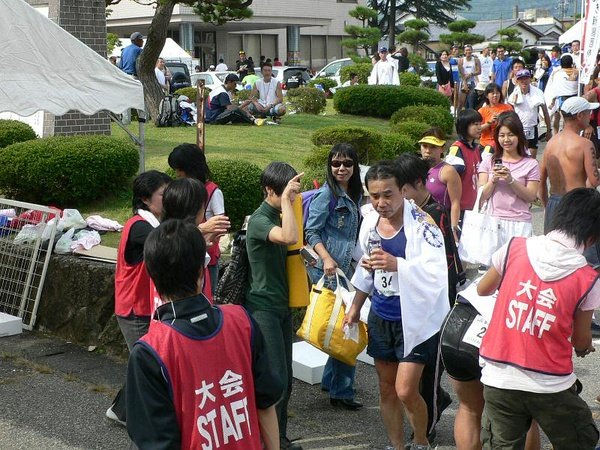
point(346, 163)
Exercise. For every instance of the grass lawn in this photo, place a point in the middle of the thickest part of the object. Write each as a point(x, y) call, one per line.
point(289, 142)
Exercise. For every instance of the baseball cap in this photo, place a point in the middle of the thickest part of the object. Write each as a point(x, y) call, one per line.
point(523, 73)
point(383, 49)
point(231, 77)
point(136, 35)
point(433, 141)
point(575, 105)
point(242, 52)
point(212, 66)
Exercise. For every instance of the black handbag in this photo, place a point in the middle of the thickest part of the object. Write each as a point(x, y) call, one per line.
point(232, 286)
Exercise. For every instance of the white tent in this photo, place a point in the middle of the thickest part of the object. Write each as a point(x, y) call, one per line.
point(572, 34)
point(44, 68)
point(171, 51)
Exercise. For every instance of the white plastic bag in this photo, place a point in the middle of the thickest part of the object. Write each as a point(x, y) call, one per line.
point(29, 233)
point(480, 234)
point(71, 218)
point(85, 239)
point(63, 246)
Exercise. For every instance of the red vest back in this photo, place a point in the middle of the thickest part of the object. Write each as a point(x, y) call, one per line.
point(472, 158)
point(132, 283)
point(212, 382)
point(533, 319)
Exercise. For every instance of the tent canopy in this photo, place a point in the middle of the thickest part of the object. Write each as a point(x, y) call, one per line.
point(572, 34)
point(46, 68)
point(170, 52)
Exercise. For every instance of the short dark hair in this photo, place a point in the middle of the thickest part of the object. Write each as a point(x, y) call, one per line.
point(190, 159)
point(578, 214)
point(434, 131)
point(566, 61)
point(556, 48)
point(412, 168)
point(491, 88)
point(516, 61)
point(345, 150)
point(174, 256)
point(221, 60)
point(498, 47)
point(510, 120)
point(383, 170)
point(184, 199)
point(266, 64)
point(465, 119)
point(276, 176)
point(352, 75)
point(146, 184)
point(575, 40)
point(231, 77)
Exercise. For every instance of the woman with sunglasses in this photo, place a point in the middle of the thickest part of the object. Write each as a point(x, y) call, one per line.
point(332, 229)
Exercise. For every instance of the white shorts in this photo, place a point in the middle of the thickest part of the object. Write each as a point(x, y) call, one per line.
point(512, 228)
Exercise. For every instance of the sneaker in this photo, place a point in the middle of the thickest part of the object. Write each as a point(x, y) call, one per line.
point(482, 269)
point(414, 446)
point(110, 414)
point(286, 444)
point(595, 329)
point(259, 122)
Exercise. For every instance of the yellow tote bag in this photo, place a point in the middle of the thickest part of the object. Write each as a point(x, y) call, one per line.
point(296, 271)
point(322, 324)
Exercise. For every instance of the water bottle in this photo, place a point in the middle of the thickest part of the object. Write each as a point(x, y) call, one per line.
point(374, 240)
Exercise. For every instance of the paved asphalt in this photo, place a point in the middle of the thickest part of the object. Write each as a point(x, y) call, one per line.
point(53, 395)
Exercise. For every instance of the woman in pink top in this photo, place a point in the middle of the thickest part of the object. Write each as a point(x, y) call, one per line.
point(443, 181)
point(510, 179)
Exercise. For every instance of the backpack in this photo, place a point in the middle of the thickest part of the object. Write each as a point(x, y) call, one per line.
point(307, 198)
point(232, 286)
point(167, 113)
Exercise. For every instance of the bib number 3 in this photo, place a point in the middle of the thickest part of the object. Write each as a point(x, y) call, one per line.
point(386, 283)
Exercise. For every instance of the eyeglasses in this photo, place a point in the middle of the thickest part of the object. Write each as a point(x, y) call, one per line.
point(346, 163)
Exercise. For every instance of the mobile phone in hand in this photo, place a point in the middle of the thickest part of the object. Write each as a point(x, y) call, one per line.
point(497, 163)
point(309, 256)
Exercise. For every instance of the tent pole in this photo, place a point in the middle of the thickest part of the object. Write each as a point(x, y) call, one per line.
point(137, 141)
point(142, 143)
point(200, 126)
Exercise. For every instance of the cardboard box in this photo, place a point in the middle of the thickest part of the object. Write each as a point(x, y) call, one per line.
point(308, 362)
point(10, 325)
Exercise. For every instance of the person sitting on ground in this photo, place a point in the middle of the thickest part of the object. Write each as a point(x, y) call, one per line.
point(267, 96)
point(176, 399)
point(353, 79)
point(219, 109)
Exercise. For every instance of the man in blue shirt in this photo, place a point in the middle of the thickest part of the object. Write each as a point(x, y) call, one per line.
point(219, 109)
point(502, 66)
point(555, 57)
point(130, 54)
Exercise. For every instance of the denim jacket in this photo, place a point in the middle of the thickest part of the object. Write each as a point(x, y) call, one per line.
point(336, 230)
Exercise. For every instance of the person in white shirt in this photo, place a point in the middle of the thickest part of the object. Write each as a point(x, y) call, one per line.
point(576, 53)
point(527, 100)
point(221, 67)
point(384, 71)
point(162, 74)
point(267, 95)
point(487, 64)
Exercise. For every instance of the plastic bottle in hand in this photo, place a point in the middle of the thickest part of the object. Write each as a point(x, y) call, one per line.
point(374, 242)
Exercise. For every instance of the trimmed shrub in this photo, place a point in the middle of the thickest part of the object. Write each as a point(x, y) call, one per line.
point(311, 174)
point(243, 95)
point(410, 79)
point(67, 171)
point(240, 183)
point(383, 101)
point(366, 141)
point(394, 144)
point(317, 158)
point(363, 70)
point(13, 131)
point(431, 115)
point(189, 92)
point(308, 100)
point(411, 128)
point(327, 83)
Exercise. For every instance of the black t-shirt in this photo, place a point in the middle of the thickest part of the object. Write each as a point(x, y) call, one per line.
point(134, 248)
point(249, 68)
point(403, 63)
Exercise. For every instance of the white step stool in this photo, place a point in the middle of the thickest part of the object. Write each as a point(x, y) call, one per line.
point(10, 325)
point(308, 362)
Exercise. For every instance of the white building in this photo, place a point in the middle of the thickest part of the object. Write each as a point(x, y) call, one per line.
point(309, 31)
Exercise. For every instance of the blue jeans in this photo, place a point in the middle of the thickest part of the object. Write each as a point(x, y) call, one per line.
point(338, 379)
point(277, 330)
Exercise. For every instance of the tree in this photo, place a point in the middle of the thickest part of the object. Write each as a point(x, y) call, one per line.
point(511, 39)
point(460, 34)
point(214, 11)
point(112, 41)
point(361, 36)
point(415, 33)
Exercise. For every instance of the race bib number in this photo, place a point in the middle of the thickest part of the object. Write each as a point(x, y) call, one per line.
point(529, 133)
point(386, 283)
point(476, 331)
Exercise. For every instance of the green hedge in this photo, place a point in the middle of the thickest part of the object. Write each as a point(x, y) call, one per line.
point(432, 115)
point(366, 141)
point(327, 83)
point(411, 128)
point(394, 144)
point(307, 100)
point(67, 171)
point(363, 70)
point(240, 183)
point(410, 79)
point(383, 101)
point(311, 174)
point(13, 131)
point(317, 157)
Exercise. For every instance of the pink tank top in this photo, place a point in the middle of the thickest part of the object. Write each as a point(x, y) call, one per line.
point(437, 189)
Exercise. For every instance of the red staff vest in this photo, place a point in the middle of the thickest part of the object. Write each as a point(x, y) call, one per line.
point(533, 319)
point(469, 178)
point(211, 382)
point(132, 283)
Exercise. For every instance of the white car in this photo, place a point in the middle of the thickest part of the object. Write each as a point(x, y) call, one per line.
point(288, 76)
point(212, 80)
point(332, 70)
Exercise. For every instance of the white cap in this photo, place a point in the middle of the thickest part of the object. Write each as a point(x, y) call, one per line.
point(575, 105)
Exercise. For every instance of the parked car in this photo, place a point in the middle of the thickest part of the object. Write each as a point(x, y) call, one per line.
point(180, 75)
point(212, 80)
point(332, 70)
point(432, 77)
point(289, 76)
